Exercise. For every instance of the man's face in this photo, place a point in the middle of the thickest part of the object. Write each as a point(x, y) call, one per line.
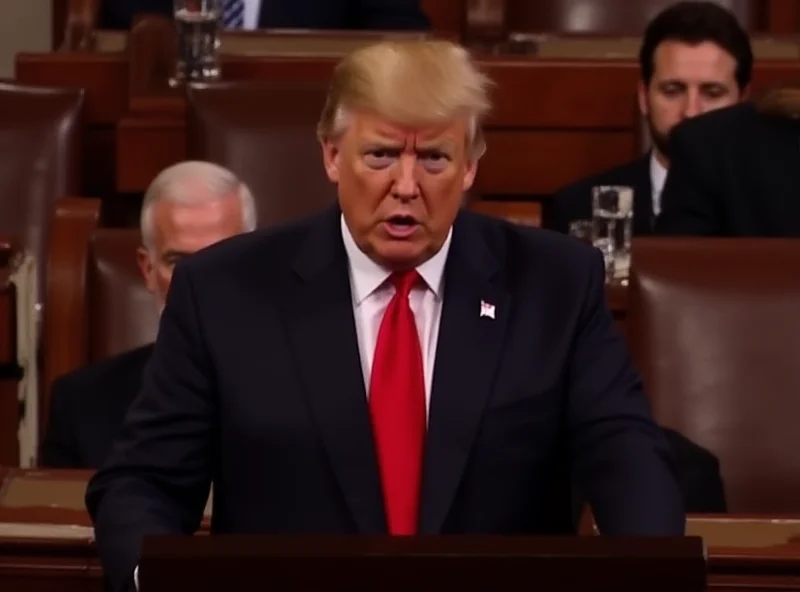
point(182, 229)
point(400, 187)
point(687, 80)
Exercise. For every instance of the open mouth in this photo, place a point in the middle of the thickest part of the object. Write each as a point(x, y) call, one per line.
point(401, 226)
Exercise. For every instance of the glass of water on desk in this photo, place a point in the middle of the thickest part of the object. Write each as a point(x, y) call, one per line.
point(612, 221)
point(197, 27)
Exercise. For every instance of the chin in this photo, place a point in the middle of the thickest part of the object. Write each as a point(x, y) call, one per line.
point(401, 256)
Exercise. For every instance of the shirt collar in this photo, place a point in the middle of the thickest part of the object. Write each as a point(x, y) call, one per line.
point(658, 174)
point(367, 276)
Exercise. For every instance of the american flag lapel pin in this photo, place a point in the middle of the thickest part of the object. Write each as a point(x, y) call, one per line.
point(487, 309)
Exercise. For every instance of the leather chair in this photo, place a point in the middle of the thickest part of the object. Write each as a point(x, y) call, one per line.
point(122, 313)
point(97, 304)
point(266, 134)
point(40, 144)
point(714, 326)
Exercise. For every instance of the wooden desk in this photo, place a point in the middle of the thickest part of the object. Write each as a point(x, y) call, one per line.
point(46, 540)
point(567, 113)
point(753, 553)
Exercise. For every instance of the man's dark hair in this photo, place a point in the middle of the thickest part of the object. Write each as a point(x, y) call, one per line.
point(694, 23)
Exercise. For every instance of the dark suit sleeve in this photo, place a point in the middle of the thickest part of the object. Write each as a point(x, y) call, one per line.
point(701, 478)
point(157, 477)
point(621, 460)
point(567, 205)
point(390, 15)
point(691, 200)
point(60, 446)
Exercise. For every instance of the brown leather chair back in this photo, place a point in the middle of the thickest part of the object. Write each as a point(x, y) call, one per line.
point(266, 134)
point(39, 159)
point(122, 314)
point(714, 326)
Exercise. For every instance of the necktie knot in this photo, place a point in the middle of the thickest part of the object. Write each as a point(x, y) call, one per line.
point(404, 281)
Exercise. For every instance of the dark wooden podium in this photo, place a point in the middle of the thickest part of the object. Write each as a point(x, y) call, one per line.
point(224, 562)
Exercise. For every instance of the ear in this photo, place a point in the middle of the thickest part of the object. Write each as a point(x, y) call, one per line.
point(641, 93)
point(469, 174)
point(330, 158)
point(147, 269)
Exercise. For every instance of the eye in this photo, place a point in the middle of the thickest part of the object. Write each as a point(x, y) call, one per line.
point(434, 160)
point(380, 158)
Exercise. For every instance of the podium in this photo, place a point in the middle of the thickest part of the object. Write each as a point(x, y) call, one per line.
point(496, 563)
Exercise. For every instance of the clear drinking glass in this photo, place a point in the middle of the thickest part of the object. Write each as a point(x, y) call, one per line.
point(612, 221)
point(583, 230)
point(197, 28)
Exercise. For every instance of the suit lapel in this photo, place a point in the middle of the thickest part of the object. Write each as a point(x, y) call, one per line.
point(643, 214)
point(777, 213)
point(467, 355)
point(322, 333)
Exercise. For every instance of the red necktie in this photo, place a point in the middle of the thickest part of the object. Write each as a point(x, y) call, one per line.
point(397, 406)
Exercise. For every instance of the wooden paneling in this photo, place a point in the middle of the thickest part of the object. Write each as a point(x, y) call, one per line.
point(782, 16)
point(540, 162)
point(74, 221)
point(565, 94)
point(145, 146)
point(104, 76)
point(554, 120)
point(446, 16)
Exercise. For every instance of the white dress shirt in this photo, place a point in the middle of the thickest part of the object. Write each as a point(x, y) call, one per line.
point(252, 10)
point(372, 293)
point(658, 176)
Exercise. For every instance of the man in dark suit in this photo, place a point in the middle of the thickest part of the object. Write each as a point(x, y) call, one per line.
point(735, 172)
point(695, 57)
point(392, 365)
point(288, 14)
point(189, 206)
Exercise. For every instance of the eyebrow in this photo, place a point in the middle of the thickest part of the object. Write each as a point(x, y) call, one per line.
point(382, 143)
point(441, 145)
point(678, 81)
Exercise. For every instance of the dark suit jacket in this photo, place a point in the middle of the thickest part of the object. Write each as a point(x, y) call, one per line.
point(256, 383)
point(293, 14)
point(699, 474)
point(733, 172)
point(87, 407)
point(574, 202)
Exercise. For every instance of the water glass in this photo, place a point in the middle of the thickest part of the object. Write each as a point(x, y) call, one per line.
point(582, 230)
point(612, 221)
point(197, 28)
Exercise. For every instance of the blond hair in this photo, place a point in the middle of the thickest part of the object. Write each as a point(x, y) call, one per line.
point(409, 83)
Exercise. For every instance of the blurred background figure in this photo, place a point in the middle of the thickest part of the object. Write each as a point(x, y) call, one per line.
point(188, 207)
point(735, 172)
point(695, 57)
point(285, 14)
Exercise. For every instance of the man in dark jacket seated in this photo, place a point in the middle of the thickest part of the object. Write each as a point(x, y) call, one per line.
point(189, 206)
point(285, 14)
point(695, 58)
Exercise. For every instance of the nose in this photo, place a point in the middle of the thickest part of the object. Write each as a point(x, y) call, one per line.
point(405, 182)
point(693, 105)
